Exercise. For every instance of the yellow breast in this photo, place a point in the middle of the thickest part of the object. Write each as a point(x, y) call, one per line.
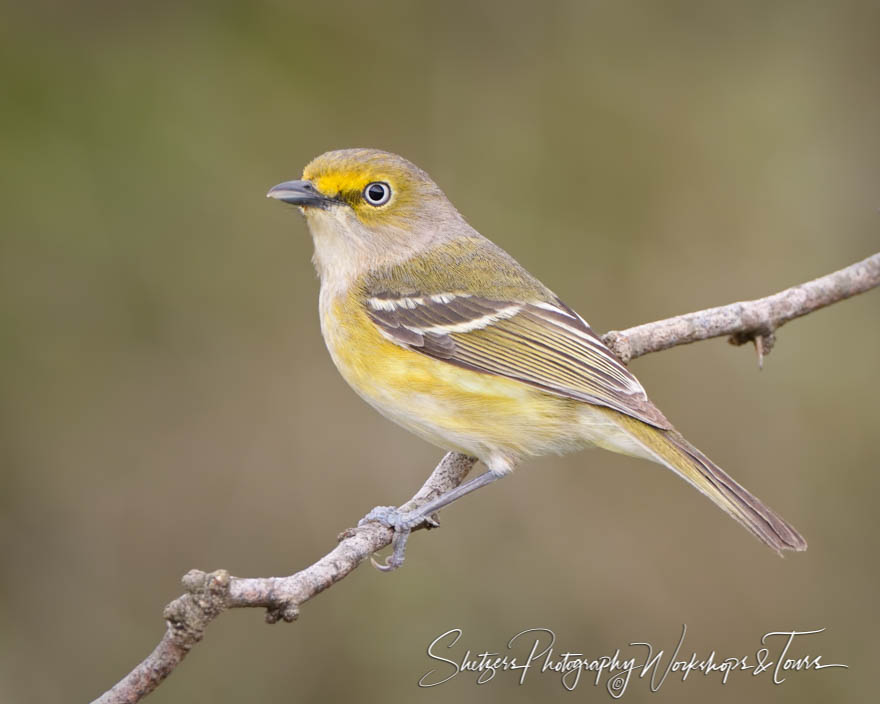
point(450, 406)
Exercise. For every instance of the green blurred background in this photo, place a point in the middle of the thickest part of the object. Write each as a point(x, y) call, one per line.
point(166, 401)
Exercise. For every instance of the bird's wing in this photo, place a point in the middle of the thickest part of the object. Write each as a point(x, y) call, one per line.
point(540, 343)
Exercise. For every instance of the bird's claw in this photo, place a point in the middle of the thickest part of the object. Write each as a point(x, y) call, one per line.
point(402, 524)
point(391, 517)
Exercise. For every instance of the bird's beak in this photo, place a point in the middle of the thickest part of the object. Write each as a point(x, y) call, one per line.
point(302, 193)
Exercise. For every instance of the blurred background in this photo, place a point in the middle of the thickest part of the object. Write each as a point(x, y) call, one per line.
point(166, 401)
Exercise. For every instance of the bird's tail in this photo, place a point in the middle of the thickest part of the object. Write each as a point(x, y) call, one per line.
point(672, 450)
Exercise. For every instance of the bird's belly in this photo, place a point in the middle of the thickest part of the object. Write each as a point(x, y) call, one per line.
point(450, 406)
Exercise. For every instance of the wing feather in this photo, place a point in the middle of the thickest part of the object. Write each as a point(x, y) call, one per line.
point(546, 345)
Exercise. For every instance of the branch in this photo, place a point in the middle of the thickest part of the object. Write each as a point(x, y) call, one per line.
point(208, 595)
point(750, 321)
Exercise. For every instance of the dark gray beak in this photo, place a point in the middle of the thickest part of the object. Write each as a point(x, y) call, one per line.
point(302, 193)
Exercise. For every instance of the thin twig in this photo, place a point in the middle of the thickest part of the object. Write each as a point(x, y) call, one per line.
point(747, 320)
point(209, 594)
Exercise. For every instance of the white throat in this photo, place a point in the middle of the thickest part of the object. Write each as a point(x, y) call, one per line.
point(342, 254)
point(346, 249)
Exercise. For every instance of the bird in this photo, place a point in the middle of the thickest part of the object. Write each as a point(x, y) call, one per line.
point(446, 334)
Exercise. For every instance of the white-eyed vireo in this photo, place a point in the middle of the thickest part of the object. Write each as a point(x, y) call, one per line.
point(444, 333)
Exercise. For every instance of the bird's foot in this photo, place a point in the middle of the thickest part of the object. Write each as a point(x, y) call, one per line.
point(402, 524)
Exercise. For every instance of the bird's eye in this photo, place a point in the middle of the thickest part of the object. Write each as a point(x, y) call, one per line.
point(377, 193)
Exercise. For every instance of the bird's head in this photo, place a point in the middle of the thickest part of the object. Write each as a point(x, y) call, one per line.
point(374, 186)
point(369, 206)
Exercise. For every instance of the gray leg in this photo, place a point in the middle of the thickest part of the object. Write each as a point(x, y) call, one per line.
point(403, 523)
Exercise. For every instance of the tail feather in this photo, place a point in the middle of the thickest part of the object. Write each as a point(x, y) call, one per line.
point(693, 466)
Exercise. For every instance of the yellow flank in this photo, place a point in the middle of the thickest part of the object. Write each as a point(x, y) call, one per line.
point(450, 406)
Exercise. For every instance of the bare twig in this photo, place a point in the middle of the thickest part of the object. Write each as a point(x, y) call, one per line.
point(747, 321)
point(209, 594)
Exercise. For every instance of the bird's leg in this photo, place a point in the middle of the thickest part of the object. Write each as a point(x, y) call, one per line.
point(403, 523)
